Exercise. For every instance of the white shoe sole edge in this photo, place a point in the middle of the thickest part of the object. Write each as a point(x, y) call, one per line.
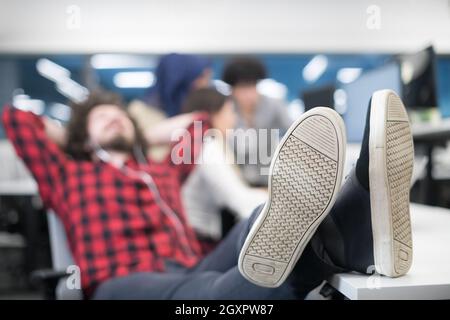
point(391, 156)
point(305, 177)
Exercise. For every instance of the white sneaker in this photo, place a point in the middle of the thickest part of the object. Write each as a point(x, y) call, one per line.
point(305, 177)
point(391, 154)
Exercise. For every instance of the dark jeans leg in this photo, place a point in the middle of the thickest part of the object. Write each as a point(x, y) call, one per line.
point(202, 285)
point(309, 272)
point(226, 254)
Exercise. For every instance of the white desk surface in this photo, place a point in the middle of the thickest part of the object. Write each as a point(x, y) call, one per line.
point(23, 187)
point(425, 129)
point(429, 277)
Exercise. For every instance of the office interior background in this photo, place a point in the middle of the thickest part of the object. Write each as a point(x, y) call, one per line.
point(325, 52)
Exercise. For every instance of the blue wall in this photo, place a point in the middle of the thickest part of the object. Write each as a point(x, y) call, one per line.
point(286, 69)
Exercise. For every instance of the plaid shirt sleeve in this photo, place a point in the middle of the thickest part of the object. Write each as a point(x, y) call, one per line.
point(43, 158)
point(184, 152)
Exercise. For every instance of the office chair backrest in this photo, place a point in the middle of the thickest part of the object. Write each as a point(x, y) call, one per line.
point(61, 256)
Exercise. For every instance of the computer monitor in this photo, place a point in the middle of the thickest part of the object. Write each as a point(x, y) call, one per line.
point(359, 92)
point(443, 80)
point(418, 76)
point(322, 96)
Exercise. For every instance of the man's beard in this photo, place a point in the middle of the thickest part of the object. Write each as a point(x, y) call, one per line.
point(118, 143)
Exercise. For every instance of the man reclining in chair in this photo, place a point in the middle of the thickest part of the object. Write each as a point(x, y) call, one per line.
point(127, 229)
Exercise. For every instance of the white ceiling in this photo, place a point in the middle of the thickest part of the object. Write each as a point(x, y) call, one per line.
point(222, 26)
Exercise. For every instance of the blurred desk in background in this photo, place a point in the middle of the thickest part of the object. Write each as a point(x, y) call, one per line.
point(20, 222)
point(24, 187)
point(428, 136)
point(431, 132)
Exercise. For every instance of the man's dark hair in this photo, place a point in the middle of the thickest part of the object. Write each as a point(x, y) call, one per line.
point(77, 134)
point(243, 70)
point(207, 99)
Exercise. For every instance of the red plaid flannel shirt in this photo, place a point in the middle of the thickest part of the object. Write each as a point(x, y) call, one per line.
point(113, 224)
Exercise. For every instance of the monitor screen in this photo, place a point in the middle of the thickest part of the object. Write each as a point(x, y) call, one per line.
point(419, 78)
point(319, 97)
point(359, 92)
point(443, 81)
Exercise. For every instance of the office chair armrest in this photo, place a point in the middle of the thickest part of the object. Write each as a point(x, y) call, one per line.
point(47, 280)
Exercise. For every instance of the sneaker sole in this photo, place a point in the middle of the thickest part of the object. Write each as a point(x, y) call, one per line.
point(391, 154)
point(305, 176)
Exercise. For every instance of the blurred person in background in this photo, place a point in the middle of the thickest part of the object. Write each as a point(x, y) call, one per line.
point(254, 110)
point(216, 183)
point(176, 76)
